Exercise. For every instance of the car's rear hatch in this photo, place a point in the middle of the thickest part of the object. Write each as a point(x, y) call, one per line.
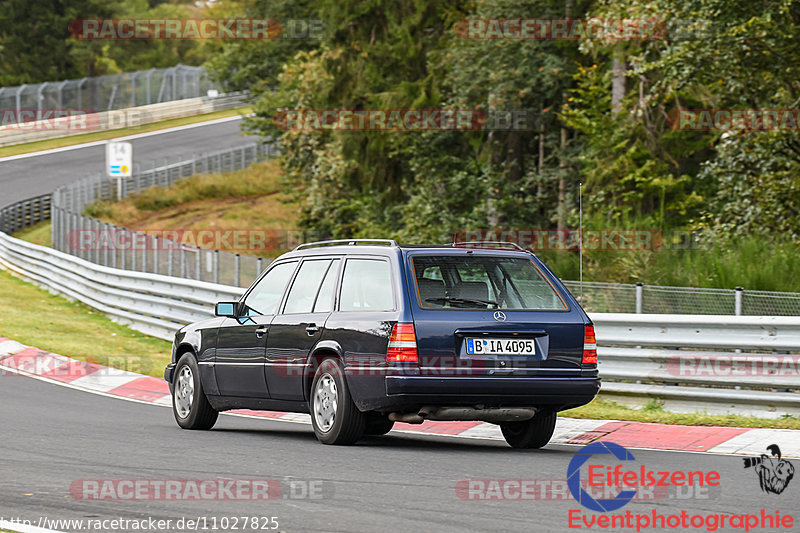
point(488, 313)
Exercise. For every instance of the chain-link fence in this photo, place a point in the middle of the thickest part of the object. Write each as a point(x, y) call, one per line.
point(601, 297)
point(116, 247)
point(105, 93)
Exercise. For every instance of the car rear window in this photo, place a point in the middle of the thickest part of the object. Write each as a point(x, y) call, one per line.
point(483, 282)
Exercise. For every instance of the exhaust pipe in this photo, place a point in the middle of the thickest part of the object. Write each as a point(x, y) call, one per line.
point(408, 418)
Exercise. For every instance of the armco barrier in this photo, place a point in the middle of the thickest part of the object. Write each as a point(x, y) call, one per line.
point(119, 118)
point(153, 304)
point(633, 371)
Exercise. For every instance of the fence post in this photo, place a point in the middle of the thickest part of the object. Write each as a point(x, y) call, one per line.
point(197, 263)
point(155, 254)
point(183, 262)
point(259, 266)
point(216, 266)
point(238, 270)
point(737, 301)
point(639, 291)
point(121, 251)
point(133, 250)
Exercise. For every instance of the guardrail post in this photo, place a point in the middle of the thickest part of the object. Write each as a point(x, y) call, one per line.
point(737, 301)
point(639, 292)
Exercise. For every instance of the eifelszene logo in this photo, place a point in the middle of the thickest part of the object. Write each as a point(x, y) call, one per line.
point(774, 473)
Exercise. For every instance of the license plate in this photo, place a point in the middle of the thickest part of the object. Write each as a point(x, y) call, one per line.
point(500, 346)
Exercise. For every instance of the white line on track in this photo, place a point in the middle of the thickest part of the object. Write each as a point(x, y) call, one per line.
point(126, 138)
point(24, 528)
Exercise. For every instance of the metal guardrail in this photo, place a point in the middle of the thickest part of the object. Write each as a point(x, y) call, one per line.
point(25, 213)
point(633, 370)
point(51, 128)
point(676, 361)
point(153, 304)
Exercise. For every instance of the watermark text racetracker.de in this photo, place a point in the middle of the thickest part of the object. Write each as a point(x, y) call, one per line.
point(548, 29)
point(400, 120)
point(170, 29)
point(601, 239)
point(230, 240)
point(178, 490)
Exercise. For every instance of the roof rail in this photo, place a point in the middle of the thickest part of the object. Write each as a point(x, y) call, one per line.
point(350, 242)
point(489, 244)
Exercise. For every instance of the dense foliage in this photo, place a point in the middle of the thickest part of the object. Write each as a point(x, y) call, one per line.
point(36, 44)
point(601, 112)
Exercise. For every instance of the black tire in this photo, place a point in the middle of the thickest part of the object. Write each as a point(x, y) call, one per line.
point(378, 424)
point(195, 413)
point(335, 417)
point(533, 433)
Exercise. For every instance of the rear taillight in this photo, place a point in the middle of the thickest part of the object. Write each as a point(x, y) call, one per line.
point(589, 347)
point(402, 344)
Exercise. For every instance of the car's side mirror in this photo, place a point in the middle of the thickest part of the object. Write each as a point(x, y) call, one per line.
point(225, 309)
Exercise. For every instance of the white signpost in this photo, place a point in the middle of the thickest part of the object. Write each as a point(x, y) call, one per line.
point(119, 162)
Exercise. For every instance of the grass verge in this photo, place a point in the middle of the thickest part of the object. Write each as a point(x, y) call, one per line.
point(39, 233)
point(60, 142)
point(244, 200)
point(37, 318)
point(601, 409)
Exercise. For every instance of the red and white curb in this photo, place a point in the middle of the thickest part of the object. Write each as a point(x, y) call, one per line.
point(24, 360)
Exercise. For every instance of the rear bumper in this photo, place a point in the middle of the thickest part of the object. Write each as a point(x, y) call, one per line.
point(410, 392)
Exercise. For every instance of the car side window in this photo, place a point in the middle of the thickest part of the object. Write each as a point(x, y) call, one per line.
point(366, 286)
point(324, 303)
point(306, 286)
point(266, 295)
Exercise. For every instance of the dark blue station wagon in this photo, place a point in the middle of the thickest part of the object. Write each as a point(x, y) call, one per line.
point(365, 333)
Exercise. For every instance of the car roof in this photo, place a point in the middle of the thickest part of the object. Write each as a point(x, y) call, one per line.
point(385, 247)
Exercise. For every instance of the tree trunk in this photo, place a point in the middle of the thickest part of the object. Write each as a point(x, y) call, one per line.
point(618, 83)
point(562, 183)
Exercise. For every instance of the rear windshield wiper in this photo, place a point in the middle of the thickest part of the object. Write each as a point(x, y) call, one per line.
point(451, 299)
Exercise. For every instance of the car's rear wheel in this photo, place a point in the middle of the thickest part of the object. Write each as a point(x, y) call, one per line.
point(335, 417)
point(533, 433)
point(189, 403)
point(378, 424)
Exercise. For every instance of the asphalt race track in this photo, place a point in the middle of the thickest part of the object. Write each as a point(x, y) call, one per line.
point(32, 175)
point(53, 436)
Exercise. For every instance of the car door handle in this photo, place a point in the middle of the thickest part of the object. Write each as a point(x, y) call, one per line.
point(312, 330)
point(260, 331)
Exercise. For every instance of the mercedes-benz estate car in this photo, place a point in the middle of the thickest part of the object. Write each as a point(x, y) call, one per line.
point(362, 334)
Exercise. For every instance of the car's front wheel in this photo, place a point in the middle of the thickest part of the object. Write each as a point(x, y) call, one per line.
point(335, 417)
point(533, 433)
point(189, 403)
